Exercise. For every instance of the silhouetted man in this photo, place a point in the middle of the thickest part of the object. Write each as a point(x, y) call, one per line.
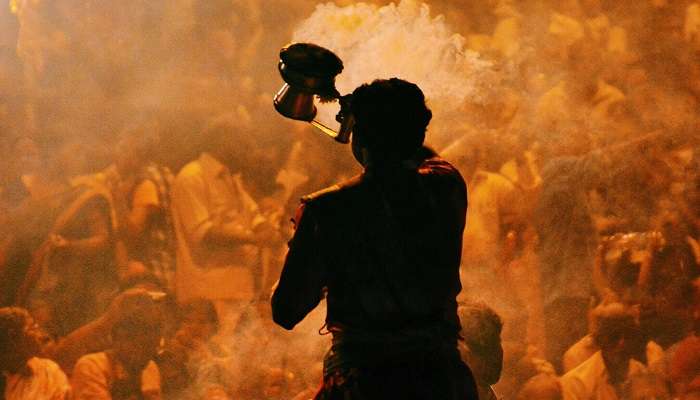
point(384, 248)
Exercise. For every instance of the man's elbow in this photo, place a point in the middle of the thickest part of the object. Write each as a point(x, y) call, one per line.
point(282, 315)
point(282, 321)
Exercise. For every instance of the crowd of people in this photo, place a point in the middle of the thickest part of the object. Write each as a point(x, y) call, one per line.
point(138, 261)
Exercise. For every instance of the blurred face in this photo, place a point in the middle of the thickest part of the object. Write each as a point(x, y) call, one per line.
point(136, 349)
point(34, 336)
point(27, 345)
point(617, 350)
point(195, 329)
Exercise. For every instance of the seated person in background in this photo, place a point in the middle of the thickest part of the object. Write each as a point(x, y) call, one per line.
point(126, 370)
point(601, 376)
point(23, 375)
point(661, 326)
point(219, 227)
point(140, 191)
point(94, 336)
point(482, 349)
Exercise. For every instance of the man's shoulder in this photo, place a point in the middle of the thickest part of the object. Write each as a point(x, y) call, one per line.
point(44, 365)
point(334, 192)
point(320, 194)
point(579, 352)
point(439, 167)
point(440, 175)
point(193, 175)
point(192, 168)
point(93, 361)
point(54, 380)
point(590, 370)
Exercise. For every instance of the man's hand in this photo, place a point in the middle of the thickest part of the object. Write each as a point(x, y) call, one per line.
point(126, 303)
point(58, 242)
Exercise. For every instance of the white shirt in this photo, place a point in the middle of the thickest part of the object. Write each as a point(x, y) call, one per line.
point(47, 381)
point(582, 350)
point(579, 352)
point(589, 381)
point(205, 192)
point(95, 373)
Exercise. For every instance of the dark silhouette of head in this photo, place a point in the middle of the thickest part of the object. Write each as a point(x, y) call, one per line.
point(615, 330)
point(481, 329)
point(136, 337)
point(390, 120)
point(198, 322)
point(20, 339)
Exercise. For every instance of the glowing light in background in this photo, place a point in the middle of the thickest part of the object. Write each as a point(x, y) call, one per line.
point(400, 40)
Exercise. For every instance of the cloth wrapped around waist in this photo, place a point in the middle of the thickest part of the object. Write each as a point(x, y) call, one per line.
point(360, 348)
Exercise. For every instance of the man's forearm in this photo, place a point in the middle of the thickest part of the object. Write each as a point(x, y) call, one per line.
point(227, 234)
point(89, 245)
point(89, 338)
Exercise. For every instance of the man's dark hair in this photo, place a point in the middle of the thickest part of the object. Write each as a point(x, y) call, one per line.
point(203, 307)
point(390, 116)
point(481, 326)
point(12, 322)
point(612, 322)
point(19, 341)
point(147, 319)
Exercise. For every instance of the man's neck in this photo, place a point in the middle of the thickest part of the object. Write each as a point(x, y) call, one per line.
point(617, 369)
point(124, 368)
